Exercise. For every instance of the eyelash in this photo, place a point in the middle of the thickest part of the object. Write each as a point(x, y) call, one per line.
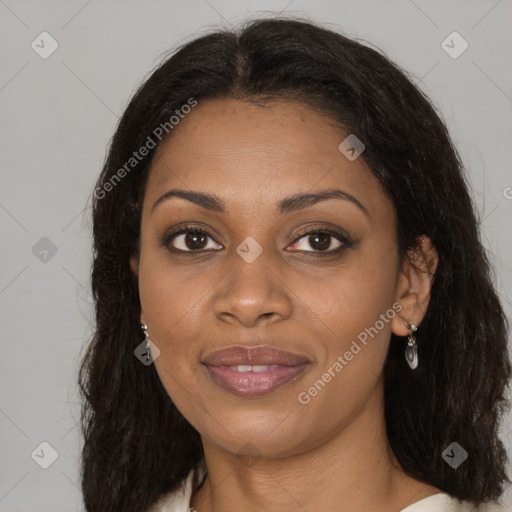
point(340, 235)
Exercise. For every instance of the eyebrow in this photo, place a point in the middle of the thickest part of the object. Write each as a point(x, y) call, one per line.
point(288, 204)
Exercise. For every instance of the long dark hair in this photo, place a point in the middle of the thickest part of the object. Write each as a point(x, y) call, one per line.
point(137, 445)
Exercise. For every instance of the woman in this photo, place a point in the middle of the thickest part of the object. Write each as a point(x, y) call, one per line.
point(284, 214)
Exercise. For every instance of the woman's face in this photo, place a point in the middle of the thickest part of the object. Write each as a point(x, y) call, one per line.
point(256, 279)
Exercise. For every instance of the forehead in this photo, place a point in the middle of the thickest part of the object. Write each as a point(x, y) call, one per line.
point(252, 154)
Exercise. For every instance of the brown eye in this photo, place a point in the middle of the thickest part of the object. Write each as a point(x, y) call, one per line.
point(195, 240)
point(190, 240)
point(320, 241)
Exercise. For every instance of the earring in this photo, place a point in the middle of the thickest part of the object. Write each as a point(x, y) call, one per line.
point(147, 354)
point(411, 351)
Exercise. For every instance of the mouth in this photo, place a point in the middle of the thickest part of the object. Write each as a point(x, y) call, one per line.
point(253, 371)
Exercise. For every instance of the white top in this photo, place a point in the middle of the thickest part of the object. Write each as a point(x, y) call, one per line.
point(179, 501)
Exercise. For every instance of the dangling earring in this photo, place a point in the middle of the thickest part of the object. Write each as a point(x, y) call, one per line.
point(411, 351)
point(147, 354)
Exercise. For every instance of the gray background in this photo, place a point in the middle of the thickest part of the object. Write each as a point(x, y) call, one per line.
point(57, 115)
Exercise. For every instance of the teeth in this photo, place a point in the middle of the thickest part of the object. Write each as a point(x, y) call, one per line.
point(260, 368)
point(256, 368)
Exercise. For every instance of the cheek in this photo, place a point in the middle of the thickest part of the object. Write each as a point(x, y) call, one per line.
point(171, 302)
point(351, 297)
point(172, 312)
point(348, 371)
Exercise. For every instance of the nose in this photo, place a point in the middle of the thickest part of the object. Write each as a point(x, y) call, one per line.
point(252, 293)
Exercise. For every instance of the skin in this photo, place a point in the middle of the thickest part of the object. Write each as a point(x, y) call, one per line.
point(272, 452)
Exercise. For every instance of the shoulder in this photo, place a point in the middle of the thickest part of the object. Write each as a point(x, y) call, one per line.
point(177, 500)
point(443, 502)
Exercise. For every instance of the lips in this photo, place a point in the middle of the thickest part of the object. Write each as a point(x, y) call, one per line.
point(262, 355)
point(253, 371)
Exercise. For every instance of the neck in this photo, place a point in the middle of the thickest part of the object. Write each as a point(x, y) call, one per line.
point(353, 470)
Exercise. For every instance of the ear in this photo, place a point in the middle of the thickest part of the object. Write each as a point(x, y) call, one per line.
point(414, 285)
point(134, 266)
